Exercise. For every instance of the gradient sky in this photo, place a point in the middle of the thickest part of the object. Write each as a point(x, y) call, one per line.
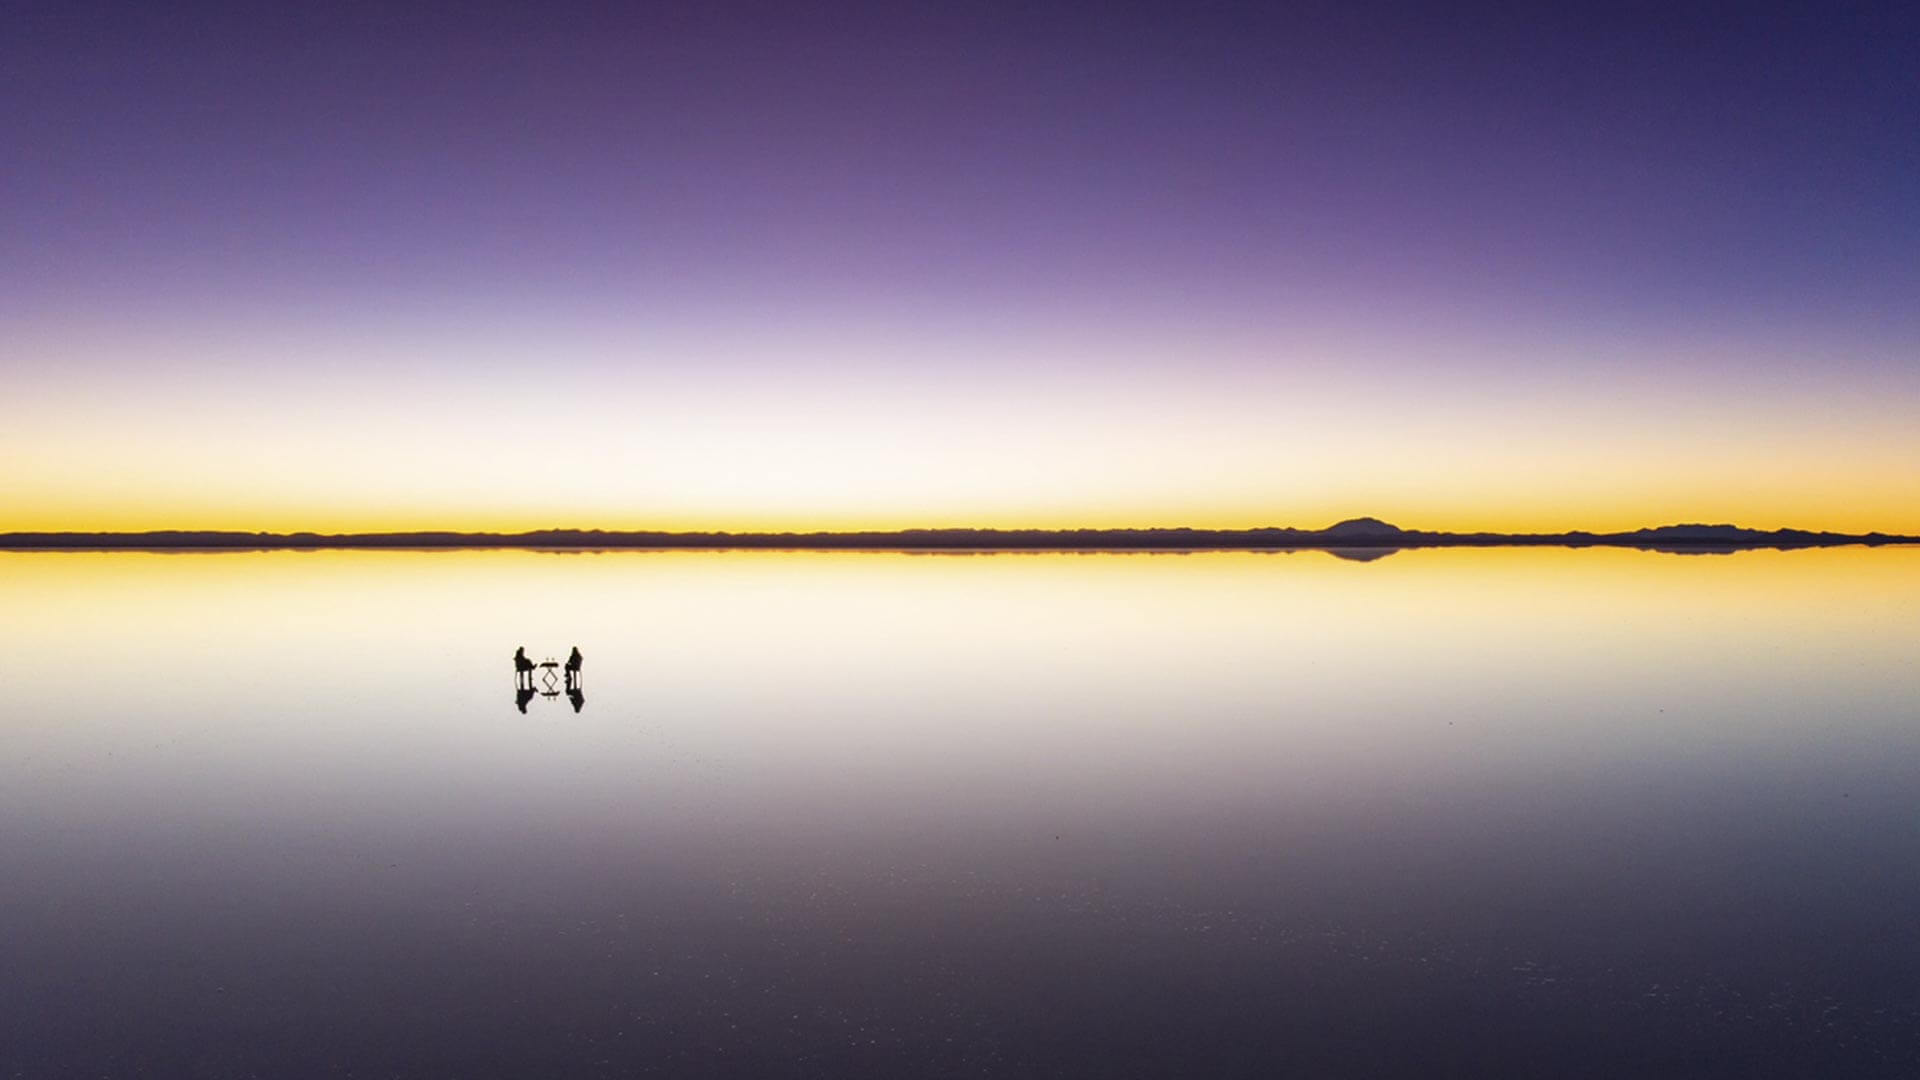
point(346, 266)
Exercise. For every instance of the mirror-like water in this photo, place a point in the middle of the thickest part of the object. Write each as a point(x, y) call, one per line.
point(1465, 812)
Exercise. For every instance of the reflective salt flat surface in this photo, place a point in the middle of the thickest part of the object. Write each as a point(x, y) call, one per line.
point(1514, 812)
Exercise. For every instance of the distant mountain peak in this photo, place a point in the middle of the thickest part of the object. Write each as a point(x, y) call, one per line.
point(1363, 526)
point(1697, 531)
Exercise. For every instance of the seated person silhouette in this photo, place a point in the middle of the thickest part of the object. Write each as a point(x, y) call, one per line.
point(573, 667)
point(522, 666)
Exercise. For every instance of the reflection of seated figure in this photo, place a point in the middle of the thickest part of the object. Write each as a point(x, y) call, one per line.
point(578, 699)
point(522, 695)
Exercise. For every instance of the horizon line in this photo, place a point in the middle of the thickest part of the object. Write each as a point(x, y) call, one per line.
point(1361, 532)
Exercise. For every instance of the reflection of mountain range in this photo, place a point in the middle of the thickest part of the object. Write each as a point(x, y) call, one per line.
point(1364, 532)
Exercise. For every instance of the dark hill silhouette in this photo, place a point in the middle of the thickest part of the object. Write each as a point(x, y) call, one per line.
point(1354, 533)
point(1362, 527)
point(1716, 534)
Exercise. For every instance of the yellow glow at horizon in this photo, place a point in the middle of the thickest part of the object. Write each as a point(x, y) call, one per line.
point(737, 448)
point(1438, 594)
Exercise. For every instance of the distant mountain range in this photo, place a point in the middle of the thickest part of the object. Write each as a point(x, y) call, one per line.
point(1354, 533)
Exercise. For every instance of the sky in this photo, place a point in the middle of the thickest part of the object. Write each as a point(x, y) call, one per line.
point(495, 266)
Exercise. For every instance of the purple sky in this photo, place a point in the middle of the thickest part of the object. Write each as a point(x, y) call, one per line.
point(1726, 197)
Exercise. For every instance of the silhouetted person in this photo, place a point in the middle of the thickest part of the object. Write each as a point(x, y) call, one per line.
point(522, 667)
point(577, 699)
point(522, 695)
point(573, 661)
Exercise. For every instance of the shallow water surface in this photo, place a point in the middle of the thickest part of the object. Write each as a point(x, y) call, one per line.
point(1454, 812)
